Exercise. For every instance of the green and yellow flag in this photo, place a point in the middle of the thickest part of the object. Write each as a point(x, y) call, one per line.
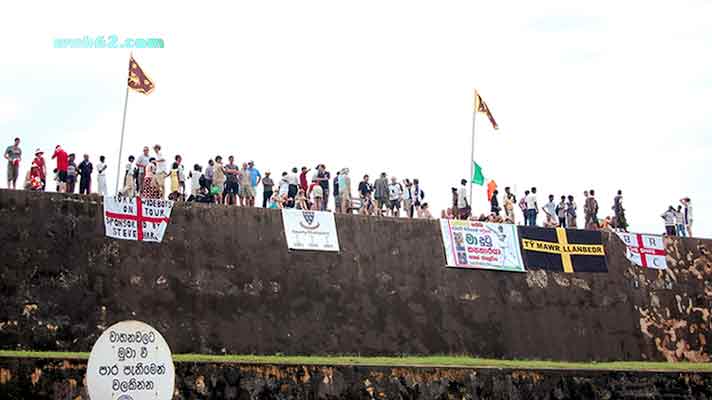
point(562, 250)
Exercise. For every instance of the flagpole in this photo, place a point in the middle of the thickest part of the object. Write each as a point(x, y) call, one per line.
point(472, 150)
point(121, 143)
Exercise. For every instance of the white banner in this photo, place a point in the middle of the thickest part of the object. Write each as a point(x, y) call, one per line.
point(310, 230)
point(134, 218)
point(646, 251)
point(481, 245)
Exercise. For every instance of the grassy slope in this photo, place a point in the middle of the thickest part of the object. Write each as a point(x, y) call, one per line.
point(428, 361)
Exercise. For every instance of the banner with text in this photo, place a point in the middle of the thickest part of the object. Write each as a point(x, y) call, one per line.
point(134, 218)
point(646, 251)
point(310, 230)
point(481, 245)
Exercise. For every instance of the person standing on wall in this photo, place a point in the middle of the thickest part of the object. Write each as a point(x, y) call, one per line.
point(13, 155)
point(669, 217)
point(181, 177)
point(463, 207)
point(255, 179)
point(39, 161)
point(571, 213)
point(141, 163)
point(85, 170)
point(590, 208)
point(523, 207)
point(619, 212)
point(494, 203)
point(70, 176)
point(418, 196)
point(232, 187)
point(395, 194)
point(101, 175)
point(687, 212)
point(680, 222)
point(62, 165)
point(561, 212)
point(129, 189)
point(532, 207)
point(380, 192)
point(267, 188)
point(161, 171)
point(550, 211)
point(345, 191)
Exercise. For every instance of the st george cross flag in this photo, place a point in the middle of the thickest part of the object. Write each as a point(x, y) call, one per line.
point(647, 251)
point(134, 218)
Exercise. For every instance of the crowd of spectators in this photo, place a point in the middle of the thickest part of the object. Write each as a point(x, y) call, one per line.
point(231, 183)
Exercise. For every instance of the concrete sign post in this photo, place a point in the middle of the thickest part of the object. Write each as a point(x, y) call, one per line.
point(130, 361)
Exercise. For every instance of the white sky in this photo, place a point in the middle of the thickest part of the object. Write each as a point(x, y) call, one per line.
point(602, 95)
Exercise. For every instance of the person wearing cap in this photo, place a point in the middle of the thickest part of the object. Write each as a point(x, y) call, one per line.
point(267, 189)
point(41, 166)
point(255, 178)
point(33, 180)
point(62, 164)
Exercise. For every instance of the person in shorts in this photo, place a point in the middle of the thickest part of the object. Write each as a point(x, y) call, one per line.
point(245, 186)
point(395, 194)
point(232, 185)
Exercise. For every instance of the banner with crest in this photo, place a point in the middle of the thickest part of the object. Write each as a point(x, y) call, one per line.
point(310, 230)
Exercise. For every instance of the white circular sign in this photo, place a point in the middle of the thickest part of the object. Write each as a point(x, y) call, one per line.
point(130, 361)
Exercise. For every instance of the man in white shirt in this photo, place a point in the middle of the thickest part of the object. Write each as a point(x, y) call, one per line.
point(395, 192)
point(181, 176)
point(129, 189)
point(293, 188)
point(550, 211)
point(101, 175)
point(687, 213)
point(141, 163)
point(463, 207)
point(161, 171)
point(532, 207)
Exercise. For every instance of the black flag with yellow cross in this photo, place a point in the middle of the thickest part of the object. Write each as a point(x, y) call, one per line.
point(562, 250)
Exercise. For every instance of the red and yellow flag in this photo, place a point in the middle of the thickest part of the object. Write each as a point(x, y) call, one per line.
point(138, 80)
point(481, 106)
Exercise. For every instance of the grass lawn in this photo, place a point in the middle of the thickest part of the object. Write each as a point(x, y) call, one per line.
point(425, 361)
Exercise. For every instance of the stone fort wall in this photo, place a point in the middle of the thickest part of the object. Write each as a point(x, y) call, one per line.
point(223, 281)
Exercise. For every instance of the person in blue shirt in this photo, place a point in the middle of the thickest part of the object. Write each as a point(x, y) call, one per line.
point(255, 179)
